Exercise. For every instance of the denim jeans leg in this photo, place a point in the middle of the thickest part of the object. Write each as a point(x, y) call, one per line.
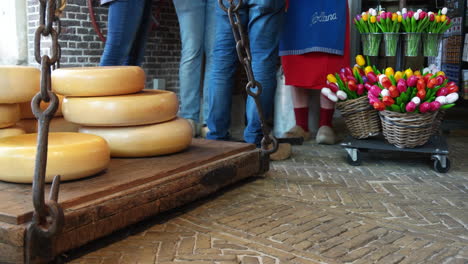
point(265, 18)
point(123, 26)
point(210, 22)
point(137, 52)
point(191, 16)
point(221, 78)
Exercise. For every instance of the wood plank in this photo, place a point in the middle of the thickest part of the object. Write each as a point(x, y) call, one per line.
point(122, 174)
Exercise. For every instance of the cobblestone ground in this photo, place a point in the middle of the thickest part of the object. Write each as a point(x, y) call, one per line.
point(314, 208)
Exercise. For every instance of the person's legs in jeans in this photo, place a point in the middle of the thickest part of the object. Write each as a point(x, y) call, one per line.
point(210, 15)
point(137, 52)
point(124, 19)
point(191, 16)
point(265, 18)
point(221, 80)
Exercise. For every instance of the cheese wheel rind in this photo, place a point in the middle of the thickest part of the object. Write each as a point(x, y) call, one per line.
point(146, 107)
point(18, 84)
point(98, 81)
point(9, 115)
point(70, 155)
point(143, 141)
point(57, 124)
point(11, 131)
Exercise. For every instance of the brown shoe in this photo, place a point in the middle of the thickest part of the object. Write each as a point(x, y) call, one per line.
point(325, 135)
point(283, 152)
point(296, 132)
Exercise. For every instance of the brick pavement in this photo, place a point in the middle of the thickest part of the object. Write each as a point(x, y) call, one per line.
point(313, 208)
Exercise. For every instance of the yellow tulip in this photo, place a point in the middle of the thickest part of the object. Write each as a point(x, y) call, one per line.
point(417, 73)
point(394, 17)
point(437, 18)
point(408, 73)
point(443, 18)
point(360, 60)
point(389, 71)
point(368, 69)
point(398, 75)
point(439, 73)
point(400, 18)
point(331, 78)
point(365, 17)
point(373, 19)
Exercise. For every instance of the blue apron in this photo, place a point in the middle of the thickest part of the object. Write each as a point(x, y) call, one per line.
point(314, 26)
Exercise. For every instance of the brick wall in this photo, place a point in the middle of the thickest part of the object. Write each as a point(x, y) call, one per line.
point(81, 46)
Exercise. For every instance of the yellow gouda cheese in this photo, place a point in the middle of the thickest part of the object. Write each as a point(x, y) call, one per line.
point(98, 81)
point(57, 124)
point(26, 111)
point(9, 114)
point(71, 155)
point(148, 140)
point(11, 131)
point(18, 84)
point(146, 107)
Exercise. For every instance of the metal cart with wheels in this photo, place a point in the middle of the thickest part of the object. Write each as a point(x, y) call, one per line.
point(437, 147)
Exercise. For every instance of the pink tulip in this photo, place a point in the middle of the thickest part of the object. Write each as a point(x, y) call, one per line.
point(440, 79)
point(434, 106)
point(372, 77)
point(411, 107)
point(401, 86)
point(367, 86)
point(442, 91)
point(424, 107)
point(412, 81)
point(375, 90)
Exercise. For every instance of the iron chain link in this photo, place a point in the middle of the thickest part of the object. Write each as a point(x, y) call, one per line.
point(48, 215)
point(253, 87)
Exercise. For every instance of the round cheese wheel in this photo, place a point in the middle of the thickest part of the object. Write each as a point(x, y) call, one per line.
point(18, 84)
point(26, 111)
point(11, 131)
point(9, 114)
point(70, 155)
point(98, 81)
point(57, 124)
point(142, 141)
point(146, 107)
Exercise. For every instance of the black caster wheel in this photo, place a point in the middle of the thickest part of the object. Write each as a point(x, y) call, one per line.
point(438, 166)
point(357, 160)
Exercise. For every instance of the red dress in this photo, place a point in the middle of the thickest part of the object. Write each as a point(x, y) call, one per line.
point(310, 70)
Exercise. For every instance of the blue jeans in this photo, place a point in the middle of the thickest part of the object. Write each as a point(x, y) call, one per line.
point(262, 20)
point(128, 26)
point(197, 23)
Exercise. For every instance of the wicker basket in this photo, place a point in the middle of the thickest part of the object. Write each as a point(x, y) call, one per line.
point(437, 122)
point(407, 130)
point(360, 118)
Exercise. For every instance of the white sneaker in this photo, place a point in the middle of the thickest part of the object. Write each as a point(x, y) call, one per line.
point(325, 135)
point(204, 131)
point(194, 127)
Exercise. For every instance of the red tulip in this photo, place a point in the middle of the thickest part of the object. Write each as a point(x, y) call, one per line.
point(434, 106)
point(421, 85)
point(442, 91)
point(440, 79)
point(452, 89)
point(386, 82)
point(333, 87)
point(432, 83)
point(360, 89)
point(388, 101)
point(371, 77)
point(393, 91)
point(379, 106)
point(421, 94)
point(367, 86)
point(401, 86)
point(352, 85)
point(427, 77)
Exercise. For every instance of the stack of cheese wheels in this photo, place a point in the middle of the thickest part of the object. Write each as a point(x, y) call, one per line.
point(18, 84)
point(72, 155)
point(111, 102)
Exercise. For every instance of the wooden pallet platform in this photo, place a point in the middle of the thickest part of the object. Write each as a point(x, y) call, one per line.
point(127, 192)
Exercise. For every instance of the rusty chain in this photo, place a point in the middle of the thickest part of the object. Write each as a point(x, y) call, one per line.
point(245, 58)
point(48, 217)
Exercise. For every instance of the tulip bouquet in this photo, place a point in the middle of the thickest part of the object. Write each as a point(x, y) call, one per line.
point(413, 92)
point(366, 24)
point(350, 83)
point(390, 23)
point(438, 24)
point(414, 23)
